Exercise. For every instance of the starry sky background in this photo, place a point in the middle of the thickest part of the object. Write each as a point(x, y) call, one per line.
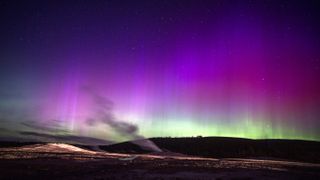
point(107, 70)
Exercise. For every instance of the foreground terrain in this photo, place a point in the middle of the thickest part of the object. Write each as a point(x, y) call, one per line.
point(63, 161)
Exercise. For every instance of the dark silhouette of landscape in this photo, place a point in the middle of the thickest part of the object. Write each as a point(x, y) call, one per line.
point(174, 158)
point(224, 147)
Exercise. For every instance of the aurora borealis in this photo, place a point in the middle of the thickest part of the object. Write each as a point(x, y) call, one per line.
point(169, 68)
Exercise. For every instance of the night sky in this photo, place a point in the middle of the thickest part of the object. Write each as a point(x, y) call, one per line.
point(99, 70)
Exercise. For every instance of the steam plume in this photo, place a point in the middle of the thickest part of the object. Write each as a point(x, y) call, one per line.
point(105, 114)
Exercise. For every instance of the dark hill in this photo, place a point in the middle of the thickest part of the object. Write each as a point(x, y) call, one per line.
point(6, 144)
point(222, 147)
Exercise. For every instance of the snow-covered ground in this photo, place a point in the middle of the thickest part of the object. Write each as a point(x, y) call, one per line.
point(64, 161)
